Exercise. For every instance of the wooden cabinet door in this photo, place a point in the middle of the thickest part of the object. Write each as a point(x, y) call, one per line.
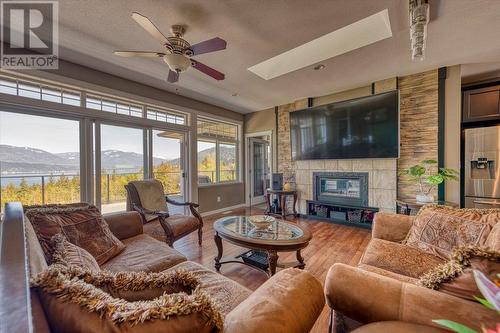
point(482, 104)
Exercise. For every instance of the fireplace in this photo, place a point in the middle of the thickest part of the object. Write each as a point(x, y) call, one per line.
point(342, 188)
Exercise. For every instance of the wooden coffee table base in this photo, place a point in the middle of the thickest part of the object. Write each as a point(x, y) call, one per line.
point(272, 257)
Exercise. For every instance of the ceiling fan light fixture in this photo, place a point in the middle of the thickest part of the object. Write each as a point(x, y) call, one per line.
point(177, 62)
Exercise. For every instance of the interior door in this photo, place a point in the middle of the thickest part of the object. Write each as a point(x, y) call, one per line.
point(259, 170)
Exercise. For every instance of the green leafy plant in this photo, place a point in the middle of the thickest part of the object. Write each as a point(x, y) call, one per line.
point(427, 175)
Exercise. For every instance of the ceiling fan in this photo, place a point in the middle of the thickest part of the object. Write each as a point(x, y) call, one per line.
point(179, 51)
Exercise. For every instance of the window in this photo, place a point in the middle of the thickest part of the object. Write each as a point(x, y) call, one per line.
point(227, 153)
point(39, 159)
point(39, 91)
point(217, 130)
point(167, 162)
point(217, 152)
point(166, 116)
point(113, 106)
point(122, 161)
point(207, 168)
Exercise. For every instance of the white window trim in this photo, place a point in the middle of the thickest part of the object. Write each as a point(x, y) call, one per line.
point(237, 142)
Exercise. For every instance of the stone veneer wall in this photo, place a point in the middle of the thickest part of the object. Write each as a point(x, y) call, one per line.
point(418, 133)
point(418, 125)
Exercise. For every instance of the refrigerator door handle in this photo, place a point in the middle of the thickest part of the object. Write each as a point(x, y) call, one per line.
point(485, 202)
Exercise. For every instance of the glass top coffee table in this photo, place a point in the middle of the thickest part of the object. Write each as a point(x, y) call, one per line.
point(280, 236)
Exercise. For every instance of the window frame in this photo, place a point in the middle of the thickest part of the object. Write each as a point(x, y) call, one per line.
point(218, 141)
point(15, 103)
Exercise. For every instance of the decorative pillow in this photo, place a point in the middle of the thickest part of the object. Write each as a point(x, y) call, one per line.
point(82, 225)
point(438, 230)
point(76, 300)
point(455, 277)
point(69, 254)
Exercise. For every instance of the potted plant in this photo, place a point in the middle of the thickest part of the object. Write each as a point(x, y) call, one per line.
point(428, 176)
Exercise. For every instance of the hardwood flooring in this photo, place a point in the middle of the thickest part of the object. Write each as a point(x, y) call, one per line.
point(331, 243)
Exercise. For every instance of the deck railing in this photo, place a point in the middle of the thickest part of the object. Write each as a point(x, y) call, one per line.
point(64, 188)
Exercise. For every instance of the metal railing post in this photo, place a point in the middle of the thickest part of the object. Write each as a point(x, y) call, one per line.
point(107, 184)
point(43, 190)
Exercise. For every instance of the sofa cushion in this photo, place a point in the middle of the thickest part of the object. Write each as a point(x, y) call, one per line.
point(438, 230)
point(36, 257)
point(69, 254)
point(397, 326)
point(383, 272)
point(76, 301)
point(144, 253)
point(399, 258)
point(456, 278)
point(226, 292)
point(182, 224)
point(81, 225)
point(155, 230)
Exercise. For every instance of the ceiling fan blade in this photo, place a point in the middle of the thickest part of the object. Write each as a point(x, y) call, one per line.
point(211, 45)
point(139, 54)
point(207, 70)
point(149, 26)
point(172, 76)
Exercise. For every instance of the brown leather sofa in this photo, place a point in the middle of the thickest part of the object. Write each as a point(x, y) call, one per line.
point(290, 301)
point(382, 287)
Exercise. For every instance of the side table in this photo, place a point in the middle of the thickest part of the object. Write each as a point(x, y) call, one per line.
point(412, 206)
point(281, 195)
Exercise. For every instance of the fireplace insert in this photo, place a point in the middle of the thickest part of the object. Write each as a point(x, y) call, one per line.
point(343, 188)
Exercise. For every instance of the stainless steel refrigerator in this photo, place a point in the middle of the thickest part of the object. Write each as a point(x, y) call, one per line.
point(482, 167)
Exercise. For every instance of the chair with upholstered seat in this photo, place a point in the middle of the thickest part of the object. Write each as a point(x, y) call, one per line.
point(148, 198)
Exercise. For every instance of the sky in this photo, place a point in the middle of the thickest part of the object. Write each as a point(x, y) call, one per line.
point(61, 136)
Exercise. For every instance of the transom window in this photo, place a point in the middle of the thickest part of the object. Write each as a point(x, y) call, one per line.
point(91, 100)
point(166, 116)
point(39, 91)
point(217, 130)
point(108, 105)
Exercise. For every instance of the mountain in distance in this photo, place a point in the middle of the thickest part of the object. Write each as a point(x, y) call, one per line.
point(226, 154)
point(15, 159)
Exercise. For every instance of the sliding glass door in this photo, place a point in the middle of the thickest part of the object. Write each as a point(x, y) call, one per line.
point(39, 159)
point(121, 161)
point(168, 164)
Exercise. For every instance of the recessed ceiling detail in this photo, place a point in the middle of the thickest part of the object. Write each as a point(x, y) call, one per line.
point(364, 32)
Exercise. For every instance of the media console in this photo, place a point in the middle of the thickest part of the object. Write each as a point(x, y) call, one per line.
point(357, 216)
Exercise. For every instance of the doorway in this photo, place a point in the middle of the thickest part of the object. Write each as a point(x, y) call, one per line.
point(259, 166)
point(124, 153)
point(168, 165)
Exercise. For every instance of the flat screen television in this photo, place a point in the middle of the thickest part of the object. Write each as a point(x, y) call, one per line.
point(366, 127)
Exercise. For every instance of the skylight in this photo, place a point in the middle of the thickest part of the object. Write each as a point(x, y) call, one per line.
point(364, 32)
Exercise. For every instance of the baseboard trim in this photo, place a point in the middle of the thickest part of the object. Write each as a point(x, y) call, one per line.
point(221, 210)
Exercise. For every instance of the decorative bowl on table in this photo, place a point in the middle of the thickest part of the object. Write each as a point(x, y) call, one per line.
point(261, 222)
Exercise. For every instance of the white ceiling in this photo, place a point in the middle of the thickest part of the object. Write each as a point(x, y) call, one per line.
point(460, 31)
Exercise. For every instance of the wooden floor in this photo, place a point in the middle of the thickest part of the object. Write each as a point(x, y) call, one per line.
point(331, 243)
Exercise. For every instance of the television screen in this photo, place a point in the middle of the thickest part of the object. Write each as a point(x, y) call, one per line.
point(366, 127)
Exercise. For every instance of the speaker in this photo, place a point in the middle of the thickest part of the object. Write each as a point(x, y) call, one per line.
point(277, 181)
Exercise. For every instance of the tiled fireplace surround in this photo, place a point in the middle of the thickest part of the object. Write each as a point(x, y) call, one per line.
point(382, 179)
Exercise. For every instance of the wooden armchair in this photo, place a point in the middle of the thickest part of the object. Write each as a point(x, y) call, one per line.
point(148, 198)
